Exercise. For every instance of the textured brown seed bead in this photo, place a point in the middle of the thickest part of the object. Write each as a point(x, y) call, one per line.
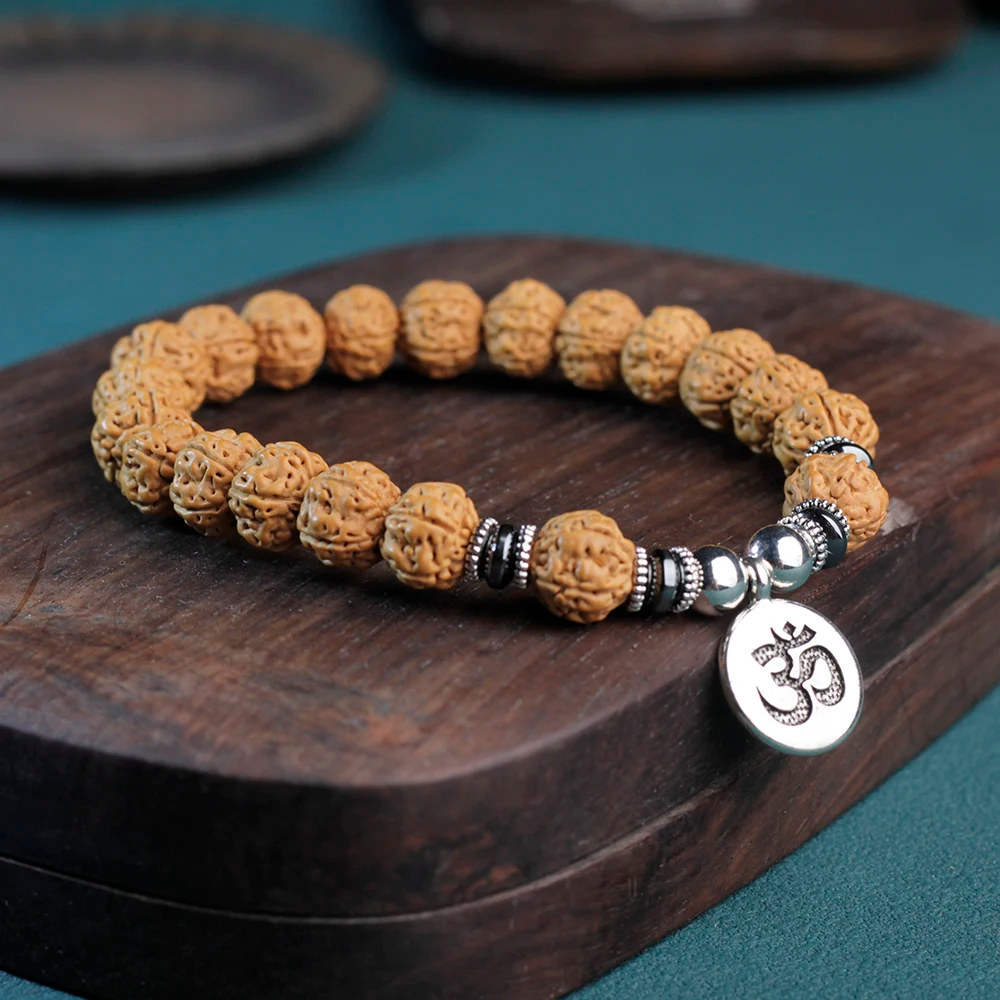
point(591, 334)
point(715, 368)
point(519, 327)
point(203, 472)
point(147, 463)
point(362, 325)
point(132, 375)
point(850, 484)
point(343, 513)
point(816, 415)
point(166, 344)
point(141, 407)
point(266, 494)
point(427, 533)
point(291, 338)
point(440, 328)
point(765, 393)
point(231, 346)
point(582, 566)
point(655, 351)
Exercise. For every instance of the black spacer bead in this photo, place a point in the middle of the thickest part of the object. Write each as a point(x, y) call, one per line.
point(484, 556)
point(836, 540)
point(652, 585)
point(502, 557)
point(669, 577)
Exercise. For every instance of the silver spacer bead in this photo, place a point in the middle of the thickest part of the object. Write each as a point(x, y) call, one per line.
point(816, 503)
point(693, 578)
point(814, 535)
point(640, 580)
point(523, 545)
point(838, 443)
point(480, 539)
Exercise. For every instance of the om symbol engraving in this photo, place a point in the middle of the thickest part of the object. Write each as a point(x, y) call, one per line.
point(799, 676)
point(791, 676)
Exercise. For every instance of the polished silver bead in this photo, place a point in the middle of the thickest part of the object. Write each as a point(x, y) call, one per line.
point(692, 578)
point(523, 545)
point(814, 535)
point(760, 574)
point(640, 580)
point(480, 538)
point(836, 444)
point(725, 584)
point(787, 552)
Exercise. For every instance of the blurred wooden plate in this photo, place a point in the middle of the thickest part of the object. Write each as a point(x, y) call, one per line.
point(602, 41)
point(143, 97)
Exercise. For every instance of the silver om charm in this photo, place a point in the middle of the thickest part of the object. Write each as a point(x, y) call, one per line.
point(791, 677)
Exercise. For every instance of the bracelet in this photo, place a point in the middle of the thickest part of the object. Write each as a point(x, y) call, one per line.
point(788, 672)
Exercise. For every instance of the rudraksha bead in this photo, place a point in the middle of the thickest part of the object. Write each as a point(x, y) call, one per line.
point(266, 494)
point(231, 345)
point(854, 487)
point(813, 416)
point(291, 338)
point(440, 328)
point(715, 368)
point(362, 325)
point(167, 344)
point(427, 535)
point(655, 351)
point(142, 406)
point(582, 566)
point(767, 391)
point(203, 472)
point(591, 333)
point(519, 327)
point(131, 375)
point(147, 462)
point(342, 518)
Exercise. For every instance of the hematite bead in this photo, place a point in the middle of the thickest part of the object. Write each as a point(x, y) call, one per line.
point(675, 580)
point(836, 444)
point(668, 581)
point(836, 537)
point(501, 558)
point(475, 564)
point(655, 580)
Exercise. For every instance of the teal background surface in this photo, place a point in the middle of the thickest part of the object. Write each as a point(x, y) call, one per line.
point(891, 183)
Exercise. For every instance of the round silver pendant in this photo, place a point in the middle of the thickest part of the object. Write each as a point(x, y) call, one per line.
point(791, 677)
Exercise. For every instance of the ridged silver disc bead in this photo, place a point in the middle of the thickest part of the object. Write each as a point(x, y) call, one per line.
point(640, 580)
point(522, 554)
point(692, 578)
point(816, 503)
point(480, 539)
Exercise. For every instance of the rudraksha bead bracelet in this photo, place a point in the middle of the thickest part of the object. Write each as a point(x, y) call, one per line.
point(580, 564)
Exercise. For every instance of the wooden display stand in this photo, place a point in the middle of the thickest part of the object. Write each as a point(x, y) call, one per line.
point(226, 775)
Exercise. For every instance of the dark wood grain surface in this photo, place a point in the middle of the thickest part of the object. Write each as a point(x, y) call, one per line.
point(197, 740)
point(152, 96)
point(629, 40)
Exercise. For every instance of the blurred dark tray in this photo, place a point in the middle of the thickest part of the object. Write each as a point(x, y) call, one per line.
point(151, 96)
point(594, 41)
